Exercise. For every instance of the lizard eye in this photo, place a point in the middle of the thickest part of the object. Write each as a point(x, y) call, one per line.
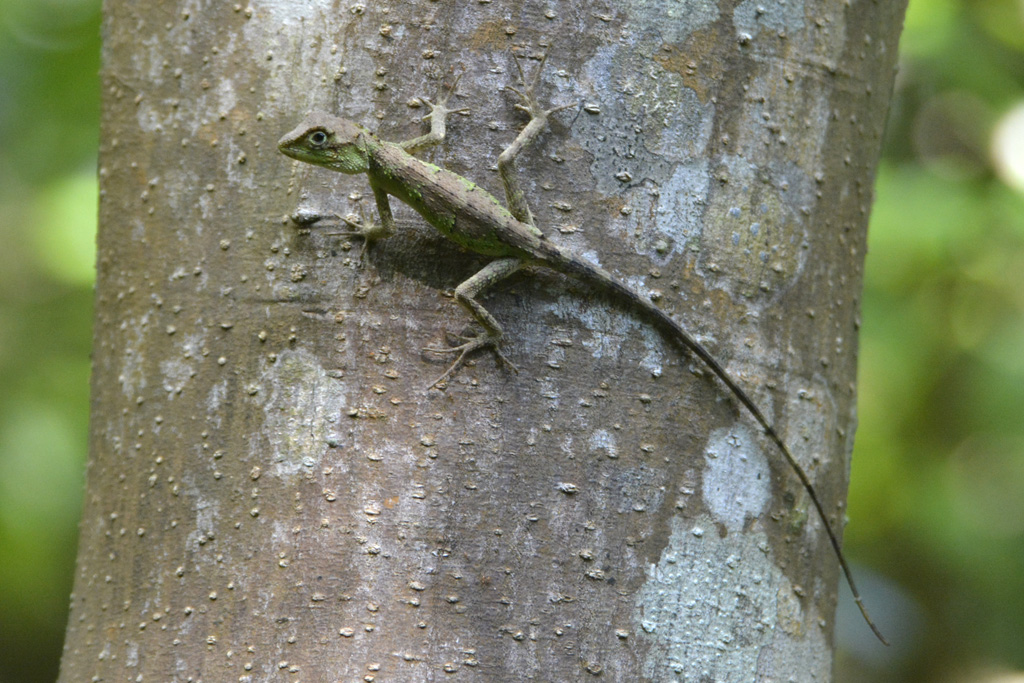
point(318, 137)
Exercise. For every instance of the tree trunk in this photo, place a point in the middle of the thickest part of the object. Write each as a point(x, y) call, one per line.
point(274, 494)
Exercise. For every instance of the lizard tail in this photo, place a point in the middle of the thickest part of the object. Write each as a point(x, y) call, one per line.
point(588, 272)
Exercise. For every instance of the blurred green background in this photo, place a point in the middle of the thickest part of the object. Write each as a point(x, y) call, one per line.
point(937, 499)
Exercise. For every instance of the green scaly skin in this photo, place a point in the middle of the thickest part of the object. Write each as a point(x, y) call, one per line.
point(476, 220)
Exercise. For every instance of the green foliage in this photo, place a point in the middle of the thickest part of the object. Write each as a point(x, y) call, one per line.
point(49, 118)
point(938, 472)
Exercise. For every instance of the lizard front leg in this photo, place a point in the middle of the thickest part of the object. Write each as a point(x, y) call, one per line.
point(466, 294)
point(438, 113)
point(370, 231)
point(514, 195)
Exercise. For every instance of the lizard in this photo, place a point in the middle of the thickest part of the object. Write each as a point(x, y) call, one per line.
point(474, 219)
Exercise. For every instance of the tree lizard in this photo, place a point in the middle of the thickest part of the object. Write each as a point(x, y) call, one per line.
point(476, 220)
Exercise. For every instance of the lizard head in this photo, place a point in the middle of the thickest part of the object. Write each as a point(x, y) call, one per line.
point(325, 140)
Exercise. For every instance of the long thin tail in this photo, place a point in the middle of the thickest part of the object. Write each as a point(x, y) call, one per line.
point(582, 270)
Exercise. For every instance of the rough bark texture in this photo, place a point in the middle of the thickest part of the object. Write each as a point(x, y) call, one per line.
point(274, 495)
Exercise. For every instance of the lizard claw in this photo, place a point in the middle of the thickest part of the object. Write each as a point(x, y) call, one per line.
point(306, 218)
point(471, 345)
point(529, 103)
point(439, 111)
point(440, 108)
point(368, 232)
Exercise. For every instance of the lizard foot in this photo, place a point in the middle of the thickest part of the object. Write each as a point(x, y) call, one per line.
point(529, 103)
point(440, 109)
point(471, 345)
point(305, 218)
point(367, 231)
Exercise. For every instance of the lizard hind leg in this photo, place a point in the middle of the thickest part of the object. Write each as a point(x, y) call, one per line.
point(466, 294)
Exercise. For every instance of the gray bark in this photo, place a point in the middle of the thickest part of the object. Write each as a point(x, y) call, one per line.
point(273, 493)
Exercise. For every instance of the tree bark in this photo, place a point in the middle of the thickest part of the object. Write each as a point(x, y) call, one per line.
point(274, 493)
